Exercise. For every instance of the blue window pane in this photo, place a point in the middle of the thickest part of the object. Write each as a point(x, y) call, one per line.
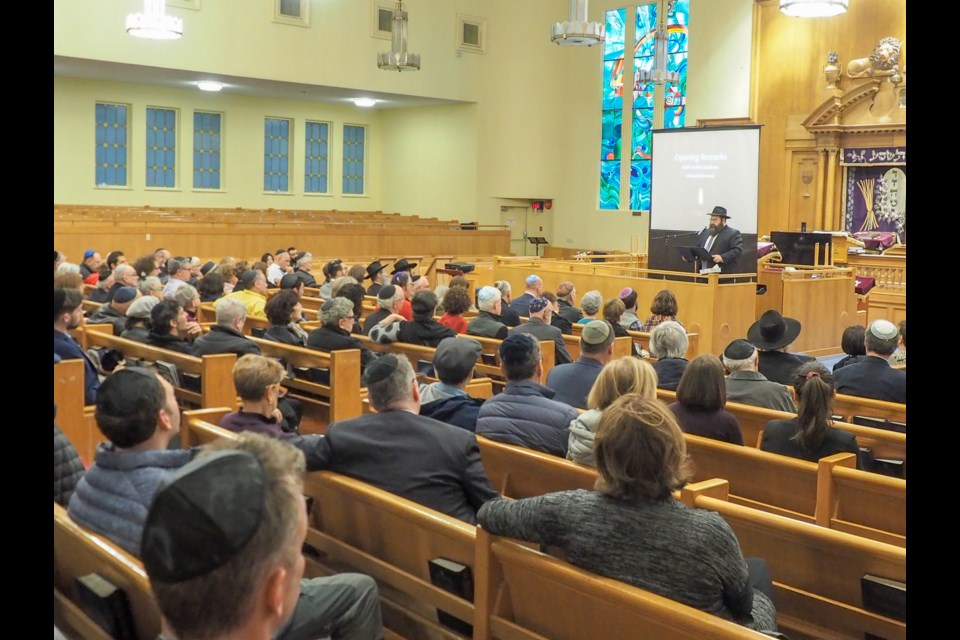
point(640, 185)
point(614, 40)
point(645, 30)
point(610, 184)
point(353, 154)
point(110, 148)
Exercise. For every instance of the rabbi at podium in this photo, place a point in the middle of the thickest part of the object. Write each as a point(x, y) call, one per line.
point(721, 241)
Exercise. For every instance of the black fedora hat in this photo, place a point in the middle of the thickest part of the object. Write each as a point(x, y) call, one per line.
point(373, 269)
point(719, 212)
point(773, 331)
point(403, 265)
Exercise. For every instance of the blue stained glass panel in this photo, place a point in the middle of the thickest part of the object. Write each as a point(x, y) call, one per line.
point(613, 43)
point(276, 137)
point(646, 29)
point(110, 140)
point(206, 150)
point(315, 157)
point(161, 148)
point(642, 134)
point(610, 184)
point(612, 136)
point(613, 84)
point(353, 157)
point(640, 185)
point(677, 24)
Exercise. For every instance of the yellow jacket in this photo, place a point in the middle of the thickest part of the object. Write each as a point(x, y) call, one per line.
point(253, 301)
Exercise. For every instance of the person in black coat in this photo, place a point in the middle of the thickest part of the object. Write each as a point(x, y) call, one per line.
point(430, 462)
point(722, 242)
point(874, 377)
point(334, 335)
point(227, 335)
point(284, 313)
point(771, 335)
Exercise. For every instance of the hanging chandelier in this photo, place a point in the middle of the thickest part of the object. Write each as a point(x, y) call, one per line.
point(154, 23)
point(813, 8)
point(577, 31)
point(398, 58)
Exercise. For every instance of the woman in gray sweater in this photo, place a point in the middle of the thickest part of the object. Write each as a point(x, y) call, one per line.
point(631, 529)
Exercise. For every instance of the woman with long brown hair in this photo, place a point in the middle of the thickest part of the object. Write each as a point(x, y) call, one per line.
point(811, 435)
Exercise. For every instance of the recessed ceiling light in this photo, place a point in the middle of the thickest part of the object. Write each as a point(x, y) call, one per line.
point(209, 85)
point(364, 102)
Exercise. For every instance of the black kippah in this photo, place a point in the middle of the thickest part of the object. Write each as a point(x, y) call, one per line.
point(380, 369)
point(203, 516)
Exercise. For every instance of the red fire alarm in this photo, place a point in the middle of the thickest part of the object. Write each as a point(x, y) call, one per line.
point(537, 205)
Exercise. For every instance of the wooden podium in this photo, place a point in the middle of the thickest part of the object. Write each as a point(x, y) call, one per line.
point(821, 298)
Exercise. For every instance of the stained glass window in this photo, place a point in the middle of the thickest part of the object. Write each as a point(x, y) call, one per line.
point(111, 144)
point(615, 141)
point(276, 154)
point(353, 157)
point(315, 157)
point(207, 138)
point(161, 148)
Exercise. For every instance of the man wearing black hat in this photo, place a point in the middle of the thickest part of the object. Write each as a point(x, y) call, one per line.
point(377, 274)
point(771, 335)
point(403, 265)
point(721, 241)
point(396, 449)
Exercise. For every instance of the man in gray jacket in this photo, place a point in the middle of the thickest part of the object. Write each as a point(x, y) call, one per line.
point(538, 326)
point(747, 385)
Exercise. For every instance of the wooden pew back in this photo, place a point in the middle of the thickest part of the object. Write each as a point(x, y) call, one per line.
point(531, 596)
point(816, 571)
point(77, 553)
point(862, 503)
point(518, 472)
point(358, 526)
point(68, 389)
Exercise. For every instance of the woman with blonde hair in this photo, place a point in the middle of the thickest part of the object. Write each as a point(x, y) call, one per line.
point(630, 528)
point(618, 377)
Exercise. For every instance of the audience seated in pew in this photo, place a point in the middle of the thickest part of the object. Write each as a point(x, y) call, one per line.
point(613, 310)
point(771, 334)
point(701, 398)
point(489, 321)
point(508, 315)
point(811, 435)
point(456, 302)
point(525, 413)
point(852, 344)
point(337, 318)
point(873, 377)
point(632, 529)
point(227, 530)
point(745, 384)
point(227, 335)
point(114, 311)
point(617, 378)
point(419, 458)
point(284, 312)
point(169, 328)
point(455, 362)
point(556, 320)
point(423, 329)
point(389, 302)
point(572, 382)
point(538, 325)
point(67, 316)
point(669, 344)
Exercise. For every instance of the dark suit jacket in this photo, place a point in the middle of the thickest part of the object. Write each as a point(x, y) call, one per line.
point(728, 245)
point(780, 366)
point(872, 378)
point(224, 340)
point(415, 457)
point(521, 304)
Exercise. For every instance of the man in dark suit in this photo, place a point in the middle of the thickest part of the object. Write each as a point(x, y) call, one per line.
point(721, 241)
point(873, 377)
point(521, 304)
point(398, 450)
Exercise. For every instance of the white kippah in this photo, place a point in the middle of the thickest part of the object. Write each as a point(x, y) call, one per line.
point(883, 329)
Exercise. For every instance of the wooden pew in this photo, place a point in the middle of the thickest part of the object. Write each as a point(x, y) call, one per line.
point(850, 406)
point(200, 426)
point(356, 526)
point(77, 553)
point(215, 371)
point(883, 443)
point(525, 595)
point(861, 503)
point(816, 571)
point(68, 390)
point(342, 397)
point(518, 472)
